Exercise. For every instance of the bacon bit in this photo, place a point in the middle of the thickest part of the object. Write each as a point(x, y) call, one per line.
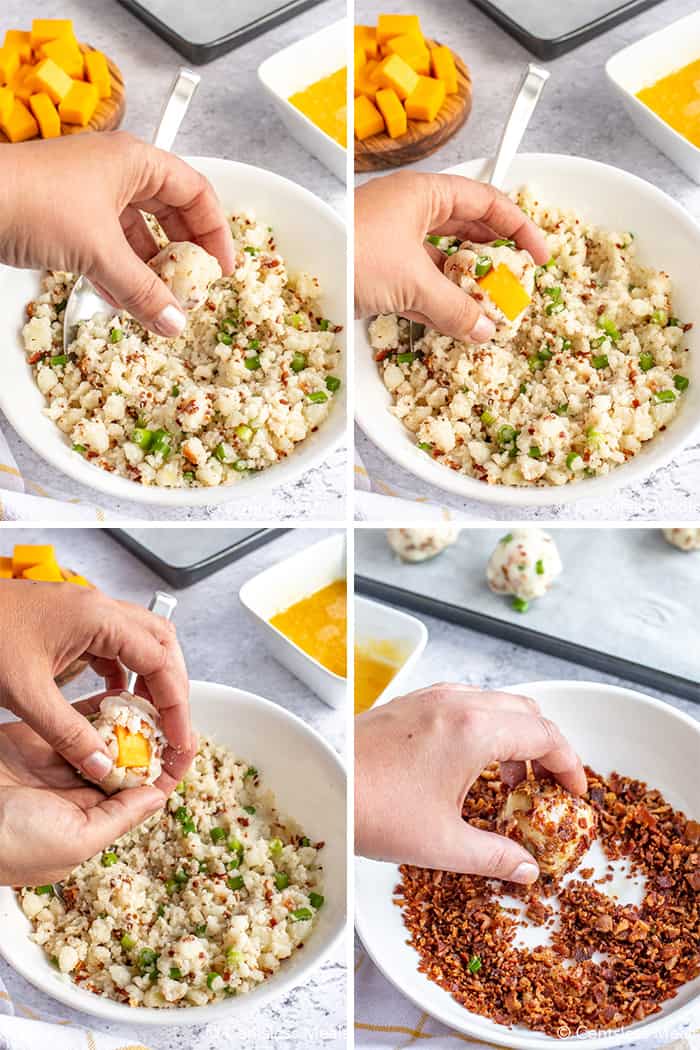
point(37, 356)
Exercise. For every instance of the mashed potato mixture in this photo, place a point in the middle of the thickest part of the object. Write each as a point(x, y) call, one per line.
point(253, 374)
point(204, 900)
point(598, 366)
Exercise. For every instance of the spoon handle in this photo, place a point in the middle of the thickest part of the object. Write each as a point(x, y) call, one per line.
point(162, 604)
point(526, 98)
point(178, 101)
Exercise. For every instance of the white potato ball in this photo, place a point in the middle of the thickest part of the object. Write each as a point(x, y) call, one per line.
point(556, 827)
point(130, 727)
point(187, 270)
point(415, 545)
point(684, 539)
point(473, 261)
point(525, 564)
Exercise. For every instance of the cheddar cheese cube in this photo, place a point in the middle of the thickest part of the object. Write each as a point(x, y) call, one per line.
point(9, 64)
point(5, 568)
point(20, 125)
point(365, 84)
point(19, 40)
point(44, 29)
point(97, 72)
point(360, 57)
point(7, 101)
point(22, 83)
point(390, 107)
point(46, 115)
point(398, 25)
point(27, 555)
point(415, 54)
point(444, 68)
point(505, 290)
point(368, 119)
point(43, 574)
point(426, 99)
point(133, 750)
point(366, 38)
point(66, 54)
point(52, 79)
point(394, 73)
point(74, 577)
point(78, 106)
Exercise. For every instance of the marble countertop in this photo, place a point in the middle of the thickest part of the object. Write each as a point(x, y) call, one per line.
point(579, 115)
point(315, 1013)
point(230, 117)
point(456, 654)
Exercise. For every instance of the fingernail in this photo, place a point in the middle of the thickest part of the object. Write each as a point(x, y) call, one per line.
point(170, 320)
point(525, 873)
point(97, 765)
point(483, 330)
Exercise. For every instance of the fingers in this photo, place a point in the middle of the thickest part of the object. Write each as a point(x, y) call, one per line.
point(138, 234)
point(521, 737)
point(456, 199)
point(114, 816)
point(477, 852)
point(135, 287)
point(450, 310)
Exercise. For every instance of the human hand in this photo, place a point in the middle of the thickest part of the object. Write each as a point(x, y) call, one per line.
point(74, 204)
point(396, 272)
point(417, 757)
point(50, 819)
point(44, 627)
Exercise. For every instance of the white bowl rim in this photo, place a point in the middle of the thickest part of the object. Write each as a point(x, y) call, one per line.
point(123, 488)
point(110, 1010)
point(617, 1037)
point(634, 471)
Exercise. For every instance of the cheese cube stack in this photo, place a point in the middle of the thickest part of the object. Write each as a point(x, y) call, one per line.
point(37, 562)
point(399, 76)
point(46, 80)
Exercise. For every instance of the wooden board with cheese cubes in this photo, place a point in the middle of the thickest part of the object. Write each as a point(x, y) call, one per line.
point(53, 85)
point(411, 93)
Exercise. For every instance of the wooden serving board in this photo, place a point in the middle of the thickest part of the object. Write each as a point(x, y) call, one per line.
point(423, 137)
point(110, 111)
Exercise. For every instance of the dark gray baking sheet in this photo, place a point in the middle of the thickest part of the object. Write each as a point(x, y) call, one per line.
point(626, 603)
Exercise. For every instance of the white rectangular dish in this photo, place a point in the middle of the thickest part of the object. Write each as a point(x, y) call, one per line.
point(289, 581)
point(376, 622)
point(642, 64)
point(295, 68)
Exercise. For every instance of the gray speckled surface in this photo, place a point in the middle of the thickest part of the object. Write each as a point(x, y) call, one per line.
point(455, 654)
point(578, 114)
point(315, 1013)
point(230, 117)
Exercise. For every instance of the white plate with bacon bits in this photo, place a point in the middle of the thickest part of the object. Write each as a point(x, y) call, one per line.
point(625, 920)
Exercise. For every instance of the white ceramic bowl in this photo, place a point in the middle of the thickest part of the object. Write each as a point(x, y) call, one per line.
point(643, 63)
point(289, 581)
point(612, 729)
point(407, 635)
point(666, 238)
point(311, 236)
point(308, 779)
point(297, 67)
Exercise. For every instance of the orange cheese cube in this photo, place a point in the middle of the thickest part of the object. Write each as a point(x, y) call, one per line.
point(52, 79)
point(22, 82)
point(7, 101)
point(9, 64)
point(364, 82)
point(425, 101)
point(366, 37)
point(133, 749)
point(416, 55)
point(27, 555)
point(44, 29)
point(79, 104)
point(74, 577)
point(20, 41)
point(44, 574)
point(20, 124)
point(360, 57)
point(505, 289)
point(46, 115)
point(398, 25)
point(368, 119)
point(394, 73)
point(66, 54)
point(389, 105)
point(444, 68)
point(6, 568)
point(97, 72)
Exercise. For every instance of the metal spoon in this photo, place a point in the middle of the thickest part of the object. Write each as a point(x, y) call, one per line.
point(526, 98)
point(84, 300)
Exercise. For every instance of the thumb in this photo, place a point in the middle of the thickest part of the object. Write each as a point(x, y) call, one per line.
point(114, 816)
point(450, 310)
point(136, 288)
point(477, 852)
point(67, 731)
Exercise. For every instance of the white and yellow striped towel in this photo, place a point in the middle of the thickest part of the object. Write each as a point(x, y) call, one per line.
point(22, 500)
